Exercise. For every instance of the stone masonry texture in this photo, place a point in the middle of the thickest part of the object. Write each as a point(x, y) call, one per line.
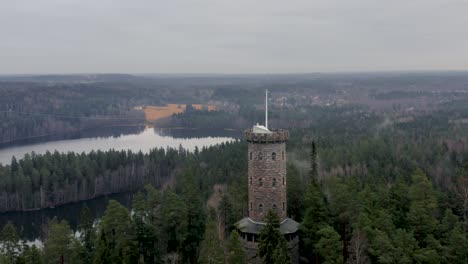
point(267, 177)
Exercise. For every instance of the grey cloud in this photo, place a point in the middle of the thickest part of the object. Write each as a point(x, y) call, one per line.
point(225, 36)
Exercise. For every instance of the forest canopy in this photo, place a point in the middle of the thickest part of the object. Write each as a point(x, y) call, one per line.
point(377, 172)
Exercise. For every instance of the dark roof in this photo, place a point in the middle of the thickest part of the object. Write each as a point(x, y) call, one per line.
point(247, 225)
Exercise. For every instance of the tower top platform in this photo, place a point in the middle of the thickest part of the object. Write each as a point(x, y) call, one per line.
point(274, 136)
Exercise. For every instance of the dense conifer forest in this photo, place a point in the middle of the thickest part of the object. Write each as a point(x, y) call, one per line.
point(370, 180)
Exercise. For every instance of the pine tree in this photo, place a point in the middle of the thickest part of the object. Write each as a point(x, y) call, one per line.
point(57, 246)
point(236, 253)
point(10, 242)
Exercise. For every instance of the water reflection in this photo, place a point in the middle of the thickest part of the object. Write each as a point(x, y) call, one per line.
point(29, 224)
point(143, 140)
point(110, 131)
point(135, 138)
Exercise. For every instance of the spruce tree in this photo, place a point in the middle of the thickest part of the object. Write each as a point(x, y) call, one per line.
point(422, 207)
point(236, 253)
point(196, 217)
point(313, 173)
point(174, 222)
point(453, 238)
point(272, 241)
point(404, 244)
point(30, 255)
point(87, 234)
point(295, 193)
point(103, 251)
point(119, 232)
point(314, 219)
point(280, 255)
point(329, 246)
point(146, 239)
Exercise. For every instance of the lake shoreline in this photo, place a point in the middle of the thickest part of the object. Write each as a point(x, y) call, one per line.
point(114, 185)
point(133, 137)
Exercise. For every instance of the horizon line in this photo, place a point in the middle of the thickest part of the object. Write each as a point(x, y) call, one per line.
point(237, 74)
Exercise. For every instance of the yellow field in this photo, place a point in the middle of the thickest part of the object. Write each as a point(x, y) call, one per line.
point(153, 113)
point(207, 107)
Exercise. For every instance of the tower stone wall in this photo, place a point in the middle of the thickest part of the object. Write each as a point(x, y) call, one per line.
point(267, 183)
point(267, 173)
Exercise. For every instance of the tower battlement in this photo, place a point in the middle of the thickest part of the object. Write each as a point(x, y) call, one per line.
point(276, 136)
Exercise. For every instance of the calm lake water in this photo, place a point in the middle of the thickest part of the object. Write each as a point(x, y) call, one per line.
point(135, 138)
point(119, 138)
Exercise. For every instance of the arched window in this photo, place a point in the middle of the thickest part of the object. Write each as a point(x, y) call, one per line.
point(273, 183)
point(260, 208)
point(282, 154)
point(274, 207)
point(273, 156)
point(260, 156)
point(283, 207)
point(260, 182)
point(283, 180)
point(250, 155)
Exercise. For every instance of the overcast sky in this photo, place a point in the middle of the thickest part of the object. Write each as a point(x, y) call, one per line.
point(232, 36)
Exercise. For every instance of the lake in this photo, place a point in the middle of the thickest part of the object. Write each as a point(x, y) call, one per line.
point(29, 223)
point(135, 138)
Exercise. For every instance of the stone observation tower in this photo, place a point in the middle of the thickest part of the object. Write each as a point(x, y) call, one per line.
point(267, 183)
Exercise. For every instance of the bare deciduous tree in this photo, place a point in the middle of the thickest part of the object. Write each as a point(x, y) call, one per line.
point(358, 247)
